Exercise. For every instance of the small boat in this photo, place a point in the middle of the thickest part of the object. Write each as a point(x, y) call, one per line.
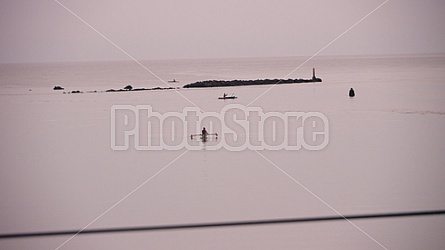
point(174, 80)
point(225, 96)
point(204, 137)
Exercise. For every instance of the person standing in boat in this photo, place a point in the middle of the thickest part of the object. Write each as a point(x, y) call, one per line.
point(204, 132)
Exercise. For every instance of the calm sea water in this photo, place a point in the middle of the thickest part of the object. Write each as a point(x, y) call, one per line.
point(103, 75)
point(385, 154)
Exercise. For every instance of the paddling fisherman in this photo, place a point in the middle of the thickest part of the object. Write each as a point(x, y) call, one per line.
point(204, 132)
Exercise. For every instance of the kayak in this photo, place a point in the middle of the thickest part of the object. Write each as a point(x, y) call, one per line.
point(227, 97)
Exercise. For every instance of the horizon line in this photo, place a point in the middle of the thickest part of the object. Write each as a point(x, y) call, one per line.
point(377, 55)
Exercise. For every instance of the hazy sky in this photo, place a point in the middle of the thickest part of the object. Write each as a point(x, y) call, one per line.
point(42, 30)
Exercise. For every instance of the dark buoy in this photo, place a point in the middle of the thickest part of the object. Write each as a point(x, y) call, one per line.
point(351, 92)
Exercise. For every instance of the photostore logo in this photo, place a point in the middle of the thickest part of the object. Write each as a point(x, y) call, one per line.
point(235, 128)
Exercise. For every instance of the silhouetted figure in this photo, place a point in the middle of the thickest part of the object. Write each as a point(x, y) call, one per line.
point(204, 132)
point(351, 92)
